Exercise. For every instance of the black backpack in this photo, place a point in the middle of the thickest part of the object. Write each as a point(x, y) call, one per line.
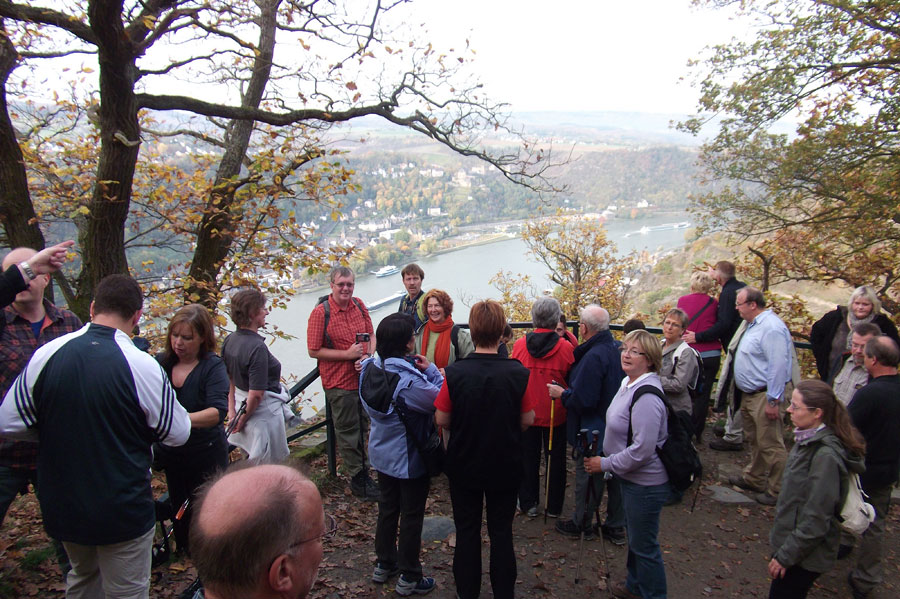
point(678, 454)
point(326, 338)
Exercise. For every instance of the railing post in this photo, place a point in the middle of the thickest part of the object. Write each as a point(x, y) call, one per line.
point(330, 439)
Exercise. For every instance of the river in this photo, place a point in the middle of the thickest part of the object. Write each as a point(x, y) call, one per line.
point(464, 274)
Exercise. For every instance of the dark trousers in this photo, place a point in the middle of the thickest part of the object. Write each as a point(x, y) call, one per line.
point(14, 481)
point(700, 407)
point(401, 506)
point(534, 442)
point(795, 584)
point(467, 509)
point(185, 472)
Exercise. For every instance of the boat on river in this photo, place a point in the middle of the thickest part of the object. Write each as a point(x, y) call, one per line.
point(386, 271)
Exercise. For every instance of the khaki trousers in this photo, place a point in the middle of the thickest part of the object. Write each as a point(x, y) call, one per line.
point(766, 439)
point(117, 571)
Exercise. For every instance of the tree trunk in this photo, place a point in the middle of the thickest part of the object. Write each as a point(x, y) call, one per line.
point(16, 210)
point(103, 239)
point(215, 234)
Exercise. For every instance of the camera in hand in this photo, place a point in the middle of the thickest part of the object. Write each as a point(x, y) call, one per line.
point(362, 337)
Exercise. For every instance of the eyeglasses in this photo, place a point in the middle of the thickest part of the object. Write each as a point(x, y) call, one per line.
point(330, 531)
point(631, 352)
point(794, 406)
point(736, 304)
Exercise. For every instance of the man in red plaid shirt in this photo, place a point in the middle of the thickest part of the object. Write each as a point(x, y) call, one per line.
point(340, 350)
point(28, 323)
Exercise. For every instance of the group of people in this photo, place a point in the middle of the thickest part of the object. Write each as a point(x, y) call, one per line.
point(420, 375)
point(847, 422)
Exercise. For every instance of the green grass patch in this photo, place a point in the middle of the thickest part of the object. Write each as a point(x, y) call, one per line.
point(33, 559)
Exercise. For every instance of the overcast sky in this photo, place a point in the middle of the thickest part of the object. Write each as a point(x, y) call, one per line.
point(581, 54)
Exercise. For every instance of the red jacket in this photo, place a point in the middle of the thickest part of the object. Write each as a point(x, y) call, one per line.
point(547, 361)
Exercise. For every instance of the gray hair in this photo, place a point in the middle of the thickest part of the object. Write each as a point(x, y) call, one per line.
point(545, 312)
point(867, 293)
point(884, 350)
point(340, 271)
point(595, 318)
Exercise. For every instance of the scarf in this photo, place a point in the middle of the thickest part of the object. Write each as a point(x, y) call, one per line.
point(801, 435)
point(442, 348)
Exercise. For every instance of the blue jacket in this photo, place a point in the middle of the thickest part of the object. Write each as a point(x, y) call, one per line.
point(390, 449)
point(593, 382)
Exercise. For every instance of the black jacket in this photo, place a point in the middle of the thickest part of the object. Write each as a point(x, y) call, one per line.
point(824, 330)
point(727, 317)
point(875, 411)
point(485, 448)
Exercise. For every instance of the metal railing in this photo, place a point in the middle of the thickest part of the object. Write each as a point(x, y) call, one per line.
point(328, 423)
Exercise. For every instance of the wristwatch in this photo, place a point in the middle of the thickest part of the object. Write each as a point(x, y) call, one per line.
point(26, 268)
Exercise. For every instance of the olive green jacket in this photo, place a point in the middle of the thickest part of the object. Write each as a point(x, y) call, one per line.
point(806, 531)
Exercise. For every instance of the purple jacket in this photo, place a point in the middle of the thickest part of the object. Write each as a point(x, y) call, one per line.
point(637, 463)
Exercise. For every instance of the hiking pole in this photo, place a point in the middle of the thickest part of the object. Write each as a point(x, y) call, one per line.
point(696, 495)
point(547, 457)
point(595, 441)
point(582, 442)
point(233, 423)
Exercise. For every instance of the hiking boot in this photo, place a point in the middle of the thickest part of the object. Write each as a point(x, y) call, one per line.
point(364, 487)
point(614, 534)
point(765, 498)
point(382, 573)
point(406, 588)
point(620, 590)
point(723, 445)
point(739, 482)
point(570, 529)
point(857, 592)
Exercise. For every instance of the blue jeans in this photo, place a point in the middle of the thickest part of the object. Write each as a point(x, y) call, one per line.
point(646, 572)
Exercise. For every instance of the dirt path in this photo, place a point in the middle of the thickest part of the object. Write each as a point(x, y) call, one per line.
point(720, 550)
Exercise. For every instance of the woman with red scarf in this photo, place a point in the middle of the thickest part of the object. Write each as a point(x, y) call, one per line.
point(439, 340)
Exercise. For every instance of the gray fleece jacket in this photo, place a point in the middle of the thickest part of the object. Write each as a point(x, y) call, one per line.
point(805, 531)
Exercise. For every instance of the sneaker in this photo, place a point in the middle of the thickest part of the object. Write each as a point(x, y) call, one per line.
point(364, 487)
point(532, 512)
point(614, 534)
point(723, 445)
point(422, 587)
point(570, 529)
point(765, 498)
point(382, 573)
point(620, 590)
point(552, 515)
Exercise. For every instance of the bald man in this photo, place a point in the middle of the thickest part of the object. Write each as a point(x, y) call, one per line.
point(257, 534)
point(16, 276)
